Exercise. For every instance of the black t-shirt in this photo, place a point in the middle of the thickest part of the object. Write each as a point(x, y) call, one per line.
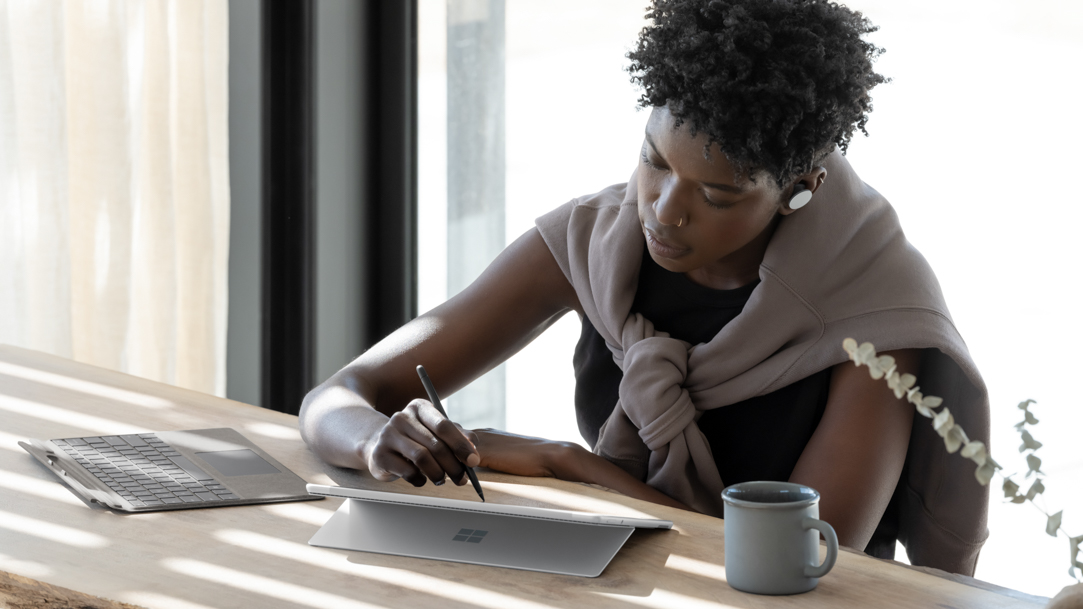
point(758, 439)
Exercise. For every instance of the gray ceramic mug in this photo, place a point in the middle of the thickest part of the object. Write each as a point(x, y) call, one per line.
point(773, 538)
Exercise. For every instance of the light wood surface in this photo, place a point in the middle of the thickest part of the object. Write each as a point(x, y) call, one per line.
point(257, 556)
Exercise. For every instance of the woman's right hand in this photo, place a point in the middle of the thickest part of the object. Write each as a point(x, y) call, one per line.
point(418, 443)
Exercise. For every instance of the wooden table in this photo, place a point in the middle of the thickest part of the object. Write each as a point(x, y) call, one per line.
point(257, 556)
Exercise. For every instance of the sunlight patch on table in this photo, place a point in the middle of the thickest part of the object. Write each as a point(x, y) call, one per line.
point(258, 584)
point(26, 568)
point(328, 559)
point(273, 430)
point(11, 442)
point(47, 489)
point(664, 599)
point(71, 418)
point(82, 386)
point(565, 500)
point(52, 532)
point(300, 512)
point(696, 567)
point(153, 599)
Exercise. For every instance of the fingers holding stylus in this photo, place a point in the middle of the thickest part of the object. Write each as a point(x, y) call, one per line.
point(414, 443)
point(428, 451)
point(387, 461)
point(451, 435)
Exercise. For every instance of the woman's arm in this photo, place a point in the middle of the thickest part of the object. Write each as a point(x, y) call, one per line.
point(857, 452)
point(372, 414)
point(538, 457)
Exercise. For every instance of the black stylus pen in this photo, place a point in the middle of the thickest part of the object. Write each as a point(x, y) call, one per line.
point(435, 399)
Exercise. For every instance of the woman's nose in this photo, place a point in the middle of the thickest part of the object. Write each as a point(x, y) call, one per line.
point(667, 207)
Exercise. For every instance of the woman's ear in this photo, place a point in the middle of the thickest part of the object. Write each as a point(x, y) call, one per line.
point(800, 193)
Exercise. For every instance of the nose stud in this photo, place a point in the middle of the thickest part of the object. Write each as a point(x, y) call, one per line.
point(680, 222)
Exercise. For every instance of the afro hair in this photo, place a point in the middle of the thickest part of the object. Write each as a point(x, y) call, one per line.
point(776, 84)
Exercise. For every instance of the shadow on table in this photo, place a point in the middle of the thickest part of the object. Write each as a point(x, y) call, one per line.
point(640, 573)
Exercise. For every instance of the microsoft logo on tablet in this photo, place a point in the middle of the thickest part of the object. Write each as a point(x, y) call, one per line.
point(470, 535)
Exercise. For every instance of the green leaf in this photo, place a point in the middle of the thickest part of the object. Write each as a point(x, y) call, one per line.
point(901, 383)
point(1035, 489)
point(1018, 499)
point(1031, 419)
point(886, 363)
point(984, 473)
point(1034, 462)
point(1029, 443)
point(1026, 404)
point(849, 345)
point(1053, 524)
point(975, 451)
point(955, 438)
point(1010, 488)
point(865, 352)
point(943, 422)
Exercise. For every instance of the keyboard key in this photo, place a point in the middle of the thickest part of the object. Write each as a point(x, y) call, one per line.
point(153, 502)
point(207, 496)
point(229, 496)
point(77, 441)
point(134, 440)
point(221, 492)
point(115, 440)
point(135, 503)
point(171, 500)
point(190, 498)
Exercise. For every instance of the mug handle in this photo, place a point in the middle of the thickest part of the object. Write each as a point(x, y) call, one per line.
point(832, 547)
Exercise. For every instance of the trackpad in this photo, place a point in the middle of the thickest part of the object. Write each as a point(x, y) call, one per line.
point(238, 462)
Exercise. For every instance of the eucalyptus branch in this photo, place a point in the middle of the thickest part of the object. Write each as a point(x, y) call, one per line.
point(956, 440)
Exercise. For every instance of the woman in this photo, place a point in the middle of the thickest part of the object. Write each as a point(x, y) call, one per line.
point(714, 293)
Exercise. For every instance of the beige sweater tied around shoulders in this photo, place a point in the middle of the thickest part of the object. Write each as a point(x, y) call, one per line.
point(839, 267)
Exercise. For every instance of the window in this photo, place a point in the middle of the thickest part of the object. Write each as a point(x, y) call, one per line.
point(563, 76)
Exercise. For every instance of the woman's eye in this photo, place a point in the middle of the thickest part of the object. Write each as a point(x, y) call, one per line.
point(647, 161)
point(715, 204)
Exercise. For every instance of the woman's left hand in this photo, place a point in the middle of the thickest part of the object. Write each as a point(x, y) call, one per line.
point(523, 455)
point(526, 456)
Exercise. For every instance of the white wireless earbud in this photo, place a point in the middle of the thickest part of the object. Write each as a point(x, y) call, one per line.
point(801, 197)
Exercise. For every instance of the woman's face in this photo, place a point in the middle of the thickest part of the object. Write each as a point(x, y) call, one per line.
point(697, 217)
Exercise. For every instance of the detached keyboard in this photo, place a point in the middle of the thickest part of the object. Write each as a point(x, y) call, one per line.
point(144, 470)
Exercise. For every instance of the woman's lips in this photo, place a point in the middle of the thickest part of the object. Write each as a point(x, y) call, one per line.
point(663, 249)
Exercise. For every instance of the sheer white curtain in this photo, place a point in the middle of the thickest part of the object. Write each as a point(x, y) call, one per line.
point(114, 184)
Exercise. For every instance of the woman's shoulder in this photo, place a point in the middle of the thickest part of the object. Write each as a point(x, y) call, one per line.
point(605, 223)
